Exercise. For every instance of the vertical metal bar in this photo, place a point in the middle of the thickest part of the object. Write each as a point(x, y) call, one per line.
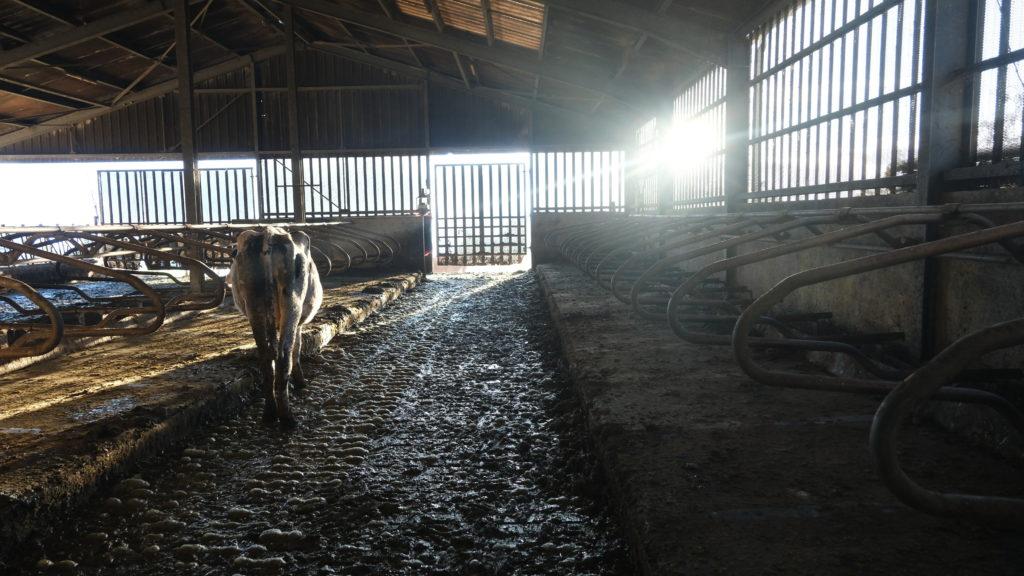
point(915, 72)
point(881, 90)
point(294, 146)
point(898, 71)
point(999, 128)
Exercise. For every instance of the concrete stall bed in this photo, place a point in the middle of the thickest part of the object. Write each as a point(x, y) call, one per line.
point(712, 473)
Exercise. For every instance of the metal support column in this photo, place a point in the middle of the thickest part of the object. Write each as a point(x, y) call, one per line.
point(949, 41)
point(254, 103)
point(737, 134)
point(737, 123)
point(295, 151)
point(186, 113)
point(191, 182)
point(666, 159)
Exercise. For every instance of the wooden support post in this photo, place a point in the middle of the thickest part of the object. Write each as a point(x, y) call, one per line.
point(949, 44)
point(191, 183)
point(294, 147)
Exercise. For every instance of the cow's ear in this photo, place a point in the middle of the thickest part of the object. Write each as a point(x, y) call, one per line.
point(301, 238)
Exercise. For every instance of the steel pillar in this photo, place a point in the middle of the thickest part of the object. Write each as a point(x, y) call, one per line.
point(186, 113)
point(949, 44)
point(666, 181)
point(191, 184)
point(294, 147)
point(737, 123)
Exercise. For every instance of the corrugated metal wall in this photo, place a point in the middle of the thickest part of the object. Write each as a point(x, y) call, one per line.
point(344, 105)
point(461, 120)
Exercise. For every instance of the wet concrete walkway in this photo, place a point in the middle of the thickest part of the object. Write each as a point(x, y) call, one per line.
point(72, 421)
point(440, 438)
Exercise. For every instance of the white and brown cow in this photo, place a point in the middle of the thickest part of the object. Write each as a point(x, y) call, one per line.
point(276, 285)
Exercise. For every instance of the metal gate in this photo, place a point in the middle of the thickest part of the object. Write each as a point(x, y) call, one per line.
point(481, 214)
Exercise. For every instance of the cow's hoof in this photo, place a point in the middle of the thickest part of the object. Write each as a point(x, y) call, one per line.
point(288, 422)
point(269, 417)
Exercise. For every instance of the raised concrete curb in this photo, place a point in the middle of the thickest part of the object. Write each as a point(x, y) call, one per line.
point(37, 488)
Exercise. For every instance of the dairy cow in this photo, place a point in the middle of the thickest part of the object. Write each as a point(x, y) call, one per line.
point(276, 286)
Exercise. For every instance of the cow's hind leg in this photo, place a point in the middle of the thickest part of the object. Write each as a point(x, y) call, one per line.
point(298, 377)
point(282, 374)
point(265, 352)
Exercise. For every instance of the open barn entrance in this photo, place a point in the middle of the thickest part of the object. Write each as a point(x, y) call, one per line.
point(480, 206)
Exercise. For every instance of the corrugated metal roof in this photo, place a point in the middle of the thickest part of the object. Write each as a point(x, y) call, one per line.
point(518, 22)
point(72, 79)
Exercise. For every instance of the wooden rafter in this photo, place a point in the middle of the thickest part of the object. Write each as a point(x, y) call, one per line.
point(456, 83)
point(45, 94)
point(485, 5)
point(156, 91)
point(392, 11)
point(506, 57)
point(696, 39)
point(62, 65)
point(435, 13)
point(627, 56)
point(99, 29)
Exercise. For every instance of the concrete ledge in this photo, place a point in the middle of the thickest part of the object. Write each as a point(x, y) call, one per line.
point(78, 421)
point(712, 473)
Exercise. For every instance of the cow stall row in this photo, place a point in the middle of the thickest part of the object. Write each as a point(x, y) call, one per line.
point(691, 272)
point(72, 283)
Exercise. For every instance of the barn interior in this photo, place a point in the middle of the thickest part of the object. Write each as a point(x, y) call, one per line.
point(610, 286)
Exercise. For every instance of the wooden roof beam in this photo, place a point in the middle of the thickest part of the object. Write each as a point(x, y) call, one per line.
point(485, 5)
point(457, 84)
point(156, 91)
point(64, 66)
point(627, 56)
point(46, 95)
point(696, 39)
point(508, 57)
point(97, 29)
point(435, 13)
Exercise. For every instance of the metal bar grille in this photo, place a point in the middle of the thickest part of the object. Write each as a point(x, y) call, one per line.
point(156, 196)
point(696, 144)
point(481, 214)
point(999, 82)
point(345, 185)
point(590, 181)
point(835, 97)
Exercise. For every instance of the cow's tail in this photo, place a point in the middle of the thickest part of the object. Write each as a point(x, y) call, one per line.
point(282, 268)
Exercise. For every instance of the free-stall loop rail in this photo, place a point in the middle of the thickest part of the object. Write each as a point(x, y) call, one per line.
point(683, 270)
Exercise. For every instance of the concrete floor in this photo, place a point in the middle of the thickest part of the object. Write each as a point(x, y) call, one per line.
point(68, 423)
point(439, 438)
point(715, 474)
point(709, 473)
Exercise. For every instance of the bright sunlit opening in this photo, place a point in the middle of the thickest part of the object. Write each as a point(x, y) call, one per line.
point(690, 143)
point(65, 193)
